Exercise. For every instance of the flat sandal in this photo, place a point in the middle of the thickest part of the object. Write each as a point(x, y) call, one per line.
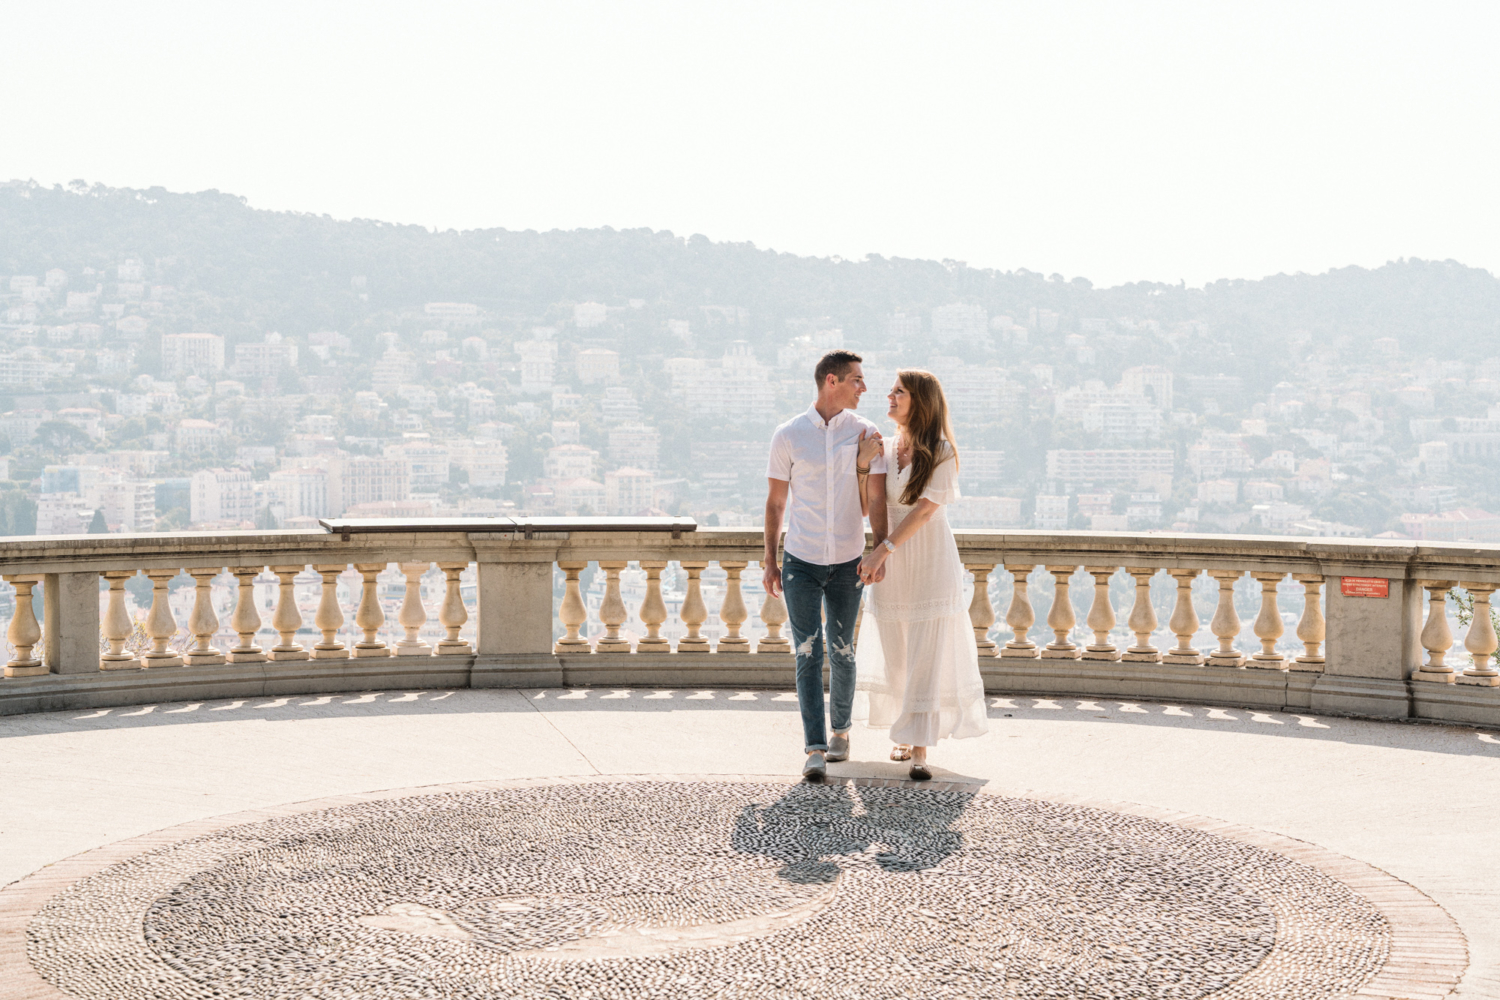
point(901, 752)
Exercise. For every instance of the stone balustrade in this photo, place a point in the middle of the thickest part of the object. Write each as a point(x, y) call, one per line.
point(1361, 645)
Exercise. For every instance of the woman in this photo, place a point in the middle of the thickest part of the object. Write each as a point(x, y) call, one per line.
point(917, 667)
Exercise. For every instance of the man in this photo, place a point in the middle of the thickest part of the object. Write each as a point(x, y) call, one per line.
point(813, 459)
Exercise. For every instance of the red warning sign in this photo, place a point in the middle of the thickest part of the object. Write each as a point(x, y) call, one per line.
point(1365, 586)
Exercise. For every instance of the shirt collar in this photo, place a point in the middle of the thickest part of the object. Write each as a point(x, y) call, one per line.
point(817, 418)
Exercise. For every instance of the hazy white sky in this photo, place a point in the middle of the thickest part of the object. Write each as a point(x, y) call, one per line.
point(1119, 141)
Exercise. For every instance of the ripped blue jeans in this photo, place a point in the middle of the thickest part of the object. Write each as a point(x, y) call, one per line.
point(808, 589)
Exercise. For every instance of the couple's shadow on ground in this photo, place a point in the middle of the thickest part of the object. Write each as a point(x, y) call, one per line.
point(905, 828)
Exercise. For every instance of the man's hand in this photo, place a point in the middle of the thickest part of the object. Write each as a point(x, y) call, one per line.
point(771, 579)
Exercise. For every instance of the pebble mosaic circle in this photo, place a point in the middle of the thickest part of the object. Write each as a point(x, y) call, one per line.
point(733, 889)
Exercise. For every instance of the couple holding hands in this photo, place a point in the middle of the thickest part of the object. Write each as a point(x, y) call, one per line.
point(916, 671)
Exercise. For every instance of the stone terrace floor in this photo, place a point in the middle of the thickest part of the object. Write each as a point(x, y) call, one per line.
point(1420, 802)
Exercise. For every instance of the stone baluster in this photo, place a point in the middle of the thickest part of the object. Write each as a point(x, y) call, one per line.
point(1020, 616)
point(1101, 619)
point(246, 620)
point(1225, 623)
point(573, 613)
point(1061, 618)
point(1437, 637)
point(203, 623)
point(694, 611)
point(1268, 626)
point(612, 611)
point(161, 627)
point(117, 626)
point(24, 632)
point(329, 617)
point(732, 612)
point(413, 613)
point(1142, 619)
point(1184, 621)
point(1312, 629)
point(453, 614)
point(1480, 639)
point(773, 616)
point(286, 619)
point(368, 617)
point(653, 610)
point(981, 613)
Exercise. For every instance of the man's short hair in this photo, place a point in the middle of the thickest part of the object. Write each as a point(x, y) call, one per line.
point(837, 364)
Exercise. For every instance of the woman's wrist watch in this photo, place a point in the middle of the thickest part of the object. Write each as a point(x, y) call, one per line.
point(888, 546)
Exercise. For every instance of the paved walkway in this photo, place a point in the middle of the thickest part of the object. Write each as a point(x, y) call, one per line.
point(1419, 802)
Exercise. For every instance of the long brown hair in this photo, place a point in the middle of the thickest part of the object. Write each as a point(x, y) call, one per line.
point(928, 425)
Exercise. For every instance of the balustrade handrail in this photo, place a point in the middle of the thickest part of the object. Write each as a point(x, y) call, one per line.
point(1363, 654)
point(1420, 560)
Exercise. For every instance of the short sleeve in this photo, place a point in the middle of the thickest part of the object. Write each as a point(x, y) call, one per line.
point(942, 488)
point(779, 465)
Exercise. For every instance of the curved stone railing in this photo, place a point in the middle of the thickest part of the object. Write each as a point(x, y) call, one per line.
point(1362, 647)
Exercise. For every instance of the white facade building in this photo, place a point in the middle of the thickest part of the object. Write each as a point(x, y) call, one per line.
point(191, 354)
point(484, 459)
point(221, 495)
point(628, 491)
point(302, 492)
point(538, 365)
point(960, 322)
point(587, 314)
point(569, 461)
point(636, 445)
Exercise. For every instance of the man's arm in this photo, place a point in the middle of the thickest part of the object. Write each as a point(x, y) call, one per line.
point(776, 494)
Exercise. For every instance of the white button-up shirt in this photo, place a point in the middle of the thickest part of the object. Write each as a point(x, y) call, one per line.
point(824, 525)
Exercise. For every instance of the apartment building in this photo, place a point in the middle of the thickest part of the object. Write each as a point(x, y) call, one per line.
point(221, 495)
point(192, 354)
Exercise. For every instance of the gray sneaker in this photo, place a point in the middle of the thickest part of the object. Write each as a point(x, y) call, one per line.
point(816, 767)
point(838, 749)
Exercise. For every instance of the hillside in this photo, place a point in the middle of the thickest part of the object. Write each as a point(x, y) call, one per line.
point(242, 271)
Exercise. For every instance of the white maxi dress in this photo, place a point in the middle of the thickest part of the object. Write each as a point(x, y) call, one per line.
point(917, 668)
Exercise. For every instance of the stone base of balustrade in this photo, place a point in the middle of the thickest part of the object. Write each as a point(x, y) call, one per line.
point(446, 648)
point(1059, 654)
point(1019, 653)
point(26, 670)
point(280, 655)
point(1151, 657)
point(691, 669)
point(1101, 655)
point(173, 660)
point(377, 652)
point(1284, 690)
point(330, 654)
point(114, 688)
point(1376, 697)
point(1478, 706)
point(1226, 659)
point(1434, 676)
point(673, 670)
point(1266, 662)
point(203, 659)
point(1307, 666)
point(105, 663)
point(256, 657)
point(1193, 684)
point(1183, 659)
point(1210, 684)
point(1480, 680)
